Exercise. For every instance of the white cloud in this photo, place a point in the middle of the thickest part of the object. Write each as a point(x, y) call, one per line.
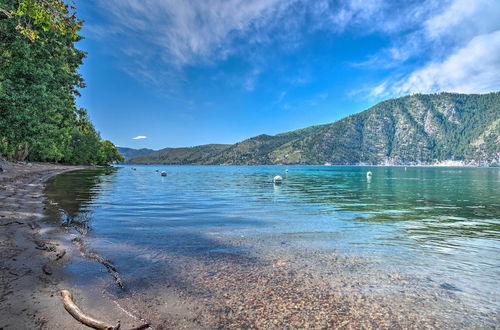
point(457, 46)
point(139, 137)
point(474, 68)
point(469, 17)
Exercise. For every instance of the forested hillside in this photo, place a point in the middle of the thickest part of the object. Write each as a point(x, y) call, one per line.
point(407, 130)
point(39, 83)
point(193, 155)
point(129, 153)
point(416, 129)
point(256, 150)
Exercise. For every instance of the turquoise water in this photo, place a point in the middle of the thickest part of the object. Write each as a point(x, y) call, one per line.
point(439, 227)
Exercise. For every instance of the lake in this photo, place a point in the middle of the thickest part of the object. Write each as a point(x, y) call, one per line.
point(329, 247)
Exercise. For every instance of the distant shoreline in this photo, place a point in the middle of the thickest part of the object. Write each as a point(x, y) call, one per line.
point(332, 165)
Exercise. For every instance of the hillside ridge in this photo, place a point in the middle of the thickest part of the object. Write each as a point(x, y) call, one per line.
point(410, 130)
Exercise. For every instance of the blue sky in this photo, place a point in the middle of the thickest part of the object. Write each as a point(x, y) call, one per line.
point(168, 73)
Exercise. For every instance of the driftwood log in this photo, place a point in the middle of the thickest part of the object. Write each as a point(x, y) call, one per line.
point(70, 306)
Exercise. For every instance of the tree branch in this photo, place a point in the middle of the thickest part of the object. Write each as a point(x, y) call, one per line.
point(5, 12)
point(70, 306)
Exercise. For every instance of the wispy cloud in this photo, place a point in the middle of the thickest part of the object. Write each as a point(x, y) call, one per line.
point(318, 97)
point(172, 35)
point(183, 33)
point(250, 80)
point(139, 137)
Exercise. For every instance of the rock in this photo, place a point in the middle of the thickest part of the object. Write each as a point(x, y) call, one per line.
point(60, 254)
point(280, 263)
point(46, 269)
point(449, 287)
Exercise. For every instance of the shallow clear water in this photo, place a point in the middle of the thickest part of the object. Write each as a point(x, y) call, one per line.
point(440, 226)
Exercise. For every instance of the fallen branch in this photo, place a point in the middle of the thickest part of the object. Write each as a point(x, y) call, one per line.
point(111, 269)
point(117, 278)
point(9, 15)
point(11, 223)
point(94, 256)
point(70, 306)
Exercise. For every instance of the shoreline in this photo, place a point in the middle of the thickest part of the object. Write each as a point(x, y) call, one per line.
point(438, 165)
point(33, 255)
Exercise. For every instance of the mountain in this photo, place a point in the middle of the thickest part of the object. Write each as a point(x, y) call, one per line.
point(129, 153)
point(181, 156)
point(259, 149)
point(415, 129)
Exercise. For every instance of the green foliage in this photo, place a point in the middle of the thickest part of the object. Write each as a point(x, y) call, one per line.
point(39, 82)
point(109, 154)
point(32, 16)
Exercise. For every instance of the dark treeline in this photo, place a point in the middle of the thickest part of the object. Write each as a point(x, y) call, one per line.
point(39, 83)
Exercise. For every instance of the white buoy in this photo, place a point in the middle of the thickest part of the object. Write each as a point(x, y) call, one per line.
point(278, 179)
point(368, 174)
point(163, 173)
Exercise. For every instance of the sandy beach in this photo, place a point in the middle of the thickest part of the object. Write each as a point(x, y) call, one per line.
point(32, 255)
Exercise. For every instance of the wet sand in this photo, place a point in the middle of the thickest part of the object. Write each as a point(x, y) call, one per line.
point(32, 256)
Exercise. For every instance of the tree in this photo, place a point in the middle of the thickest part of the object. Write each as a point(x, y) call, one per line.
point(109, 153)
point(84, 144)
point(39, 82)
